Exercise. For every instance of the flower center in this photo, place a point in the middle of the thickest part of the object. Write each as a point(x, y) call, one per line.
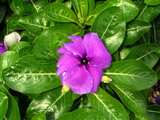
point(1, 46)
point(84, 61)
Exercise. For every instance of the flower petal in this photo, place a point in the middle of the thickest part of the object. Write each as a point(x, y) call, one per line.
point(80, 81)
point(66, 63)
point(3, 48)
point(12, 39)
point(76, 47)
point(96, 51)
point(63, 50)
point(96, 73)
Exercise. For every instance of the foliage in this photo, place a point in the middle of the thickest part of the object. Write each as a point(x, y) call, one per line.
point(29, 87)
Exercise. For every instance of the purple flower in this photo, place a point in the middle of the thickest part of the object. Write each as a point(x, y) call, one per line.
point(157, 100)
point(81, 65)
point(3, 47)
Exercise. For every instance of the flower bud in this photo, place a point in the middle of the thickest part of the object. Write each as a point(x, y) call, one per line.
point(65, 88)
point(106, 79)
point(11, 39)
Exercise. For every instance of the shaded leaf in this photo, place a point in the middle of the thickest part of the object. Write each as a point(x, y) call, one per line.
point(82, 114)
point(3, 105)
point(111, 29)
point(135, 31)
point(13, 110)
point(53, 103)
point(147, 53)
point(132, 74)
point(111, 108)
point(133, 100)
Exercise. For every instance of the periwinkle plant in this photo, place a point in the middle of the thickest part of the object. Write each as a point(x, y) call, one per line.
point(79, 59)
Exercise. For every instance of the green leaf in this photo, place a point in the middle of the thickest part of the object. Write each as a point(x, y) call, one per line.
point(7, 59)
point(153, 112)
point(132, 74)
point(152, 2)
point(25, 51)
point(12, 22)
point(147, 53)
point(133, 100)
point(2, 12)
point(53, 103)
point(18, 46)
point(139, 117)
point(39, 4)
point(128, 8)
point(28, 76)
point(61, 13)
point(82, 114)
point(148, 13)
point(50, 40)
point(111, 29)
point(39, 116)
point(28, 36)
point(91, 5)
point(36, 22)
point(13, 110)
point(3, 105)
point(135, 31)
point(21, 7)
point(155, 31)
point(111, 108)
point(81, 8)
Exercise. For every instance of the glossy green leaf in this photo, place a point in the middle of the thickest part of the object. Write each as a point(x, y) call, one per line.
point(61, 13)
point(132, 74)
point(147, 53)
point(18, 46)
point(3, 105)
point(111, 29)
point(108, 106)
point(133, 100)
point(148, 13)
point(12, 22)
point(81, 8)
point(13, 110)
point(128, 8)
point(91, 5)
point(82, 114)
point(139, 117)
point(53, 103)
point(36, 22)
point(28, 36)
point(28, 76)
point(153, 112)
point(124, 53)
point(25, 51)
point(135, 30)
point(39, 4)
point(16, 6)
point(50, 40)
point(7, 59)
point(152, 2)
point(39, 116)
point(21, 7)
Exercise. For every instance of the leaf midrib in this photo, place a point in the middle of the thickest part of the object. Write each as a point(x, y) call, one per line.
point(35, 74)
point(125, 74)
point(109, 24)
point(125, 94)
point(105, 106)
